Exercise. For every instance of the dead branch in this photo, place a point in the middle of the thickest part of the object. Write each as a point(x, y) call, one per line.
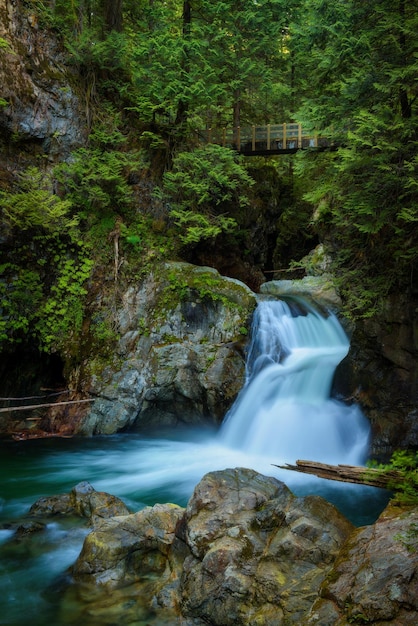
point(347, 473)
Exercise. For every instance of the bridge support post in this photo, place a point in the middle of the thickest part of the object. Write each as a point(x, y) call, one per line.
point(268, 137)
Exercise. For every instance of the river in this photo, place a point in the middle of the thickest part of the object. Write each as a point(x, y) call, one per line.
point(285, 411)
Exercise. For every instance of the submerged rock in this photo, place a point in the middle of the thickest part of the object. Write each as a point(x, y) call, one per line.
point(82, 501)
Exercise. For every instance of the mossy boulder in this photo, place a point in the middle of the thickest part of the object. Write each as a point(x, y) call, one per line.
point(179, 357)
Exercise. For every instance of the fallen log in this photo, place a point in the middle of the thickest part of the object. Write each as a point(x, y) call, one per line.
point(373, 477)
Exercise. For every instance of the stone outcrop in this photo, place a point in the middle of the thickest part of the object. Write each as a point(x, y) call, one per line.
point(244, 551)
point(382, 367)
point(179, 358)
point(257, 551)
point(82, 501)
point(375, 578)
point(318, 289)
point(43, 114)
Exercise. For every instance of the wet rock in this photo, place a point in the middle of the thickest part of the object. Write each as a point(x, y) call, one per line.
point(383, 367)
point(319, 289)
point(82, 501)
point(124, 549)
point(245, 551)
point(375, 579)
point(258, 553)
point(43, 114)
point(180, 354)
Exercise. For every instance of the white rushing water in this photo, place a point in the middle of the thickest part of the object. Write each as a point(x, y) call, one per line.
point(285, 408)
point(284, 412)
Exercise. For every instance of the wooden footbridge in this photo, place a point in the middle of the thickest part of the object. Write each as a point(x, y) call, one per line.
point(265, 140)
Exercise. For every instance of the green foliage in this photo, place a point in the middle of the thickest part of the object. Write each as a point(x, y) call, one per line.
point(34, 206)
point(195, 227)
point(42, 291)
point(410, 538)
point(20, 297)
point(61, 314)
point(206, 285)
point(43, 298)
point(200, 188)
point(405, 485)
point(365, 193)
point(5, 46)
point(95, 180)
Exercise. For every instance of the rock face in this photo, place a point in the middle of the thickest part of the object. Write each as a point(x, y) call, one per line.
point(179, 358)
point(245, 551)
point(319, 289)
point(43, 114)
point(383, 367)
point(375, 578)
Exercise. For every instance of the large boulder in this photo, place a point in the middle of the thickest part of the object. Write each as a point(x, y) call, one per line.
point(258, 553)
point(179, 358)
point(245, 551)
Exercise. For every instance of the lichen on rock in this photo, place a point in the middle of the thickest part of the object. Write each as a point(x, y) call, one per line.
point(179, 357)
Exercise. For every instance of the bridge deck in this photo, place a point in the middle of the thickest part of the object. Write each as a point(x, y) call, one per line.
point(265, 140)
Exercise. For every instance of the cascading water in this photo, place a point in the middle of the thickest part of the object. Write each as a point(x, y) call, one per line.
point(285, 409)
point(283, 413)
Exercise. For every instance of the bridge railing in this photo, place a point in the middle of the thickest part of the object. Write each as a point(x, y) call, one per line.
point(273, 138)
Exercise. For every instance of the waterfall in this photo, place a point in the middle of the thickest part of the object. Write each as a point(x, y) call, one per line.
point(285, 409)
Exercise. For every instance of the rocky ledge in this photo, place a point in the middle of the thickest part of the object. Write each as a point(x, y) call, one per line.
point(245, 551)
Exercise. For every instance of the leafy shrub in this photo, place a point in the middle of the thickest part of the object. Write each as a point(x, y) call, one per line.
point(34, 205)
point(200, 189)
point(405, 485)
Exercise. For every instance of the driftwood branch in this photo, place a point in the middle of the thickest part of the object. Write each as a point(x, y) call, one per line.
point(42, 406)
point(347, 473)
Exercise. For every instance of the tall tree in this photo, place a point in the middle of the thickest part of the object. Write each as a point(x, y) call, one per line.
point(362, 91)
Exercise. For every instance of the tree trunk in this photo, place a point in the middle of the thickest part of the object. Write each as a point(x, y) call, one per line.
point(112, 12)
point(405, 104)
point(182, 107)
point(347, 473)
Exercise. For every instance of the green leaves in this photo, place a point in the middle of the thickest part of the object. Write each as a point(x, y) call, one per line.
point(200, 189)
point(34, 205)
point(96, 180)
point(405, 485)
point(365, 195)
point(195, 227)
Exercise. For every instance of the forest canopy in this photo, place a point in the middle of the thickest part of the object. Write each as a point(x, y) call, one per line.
point(153, 72)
